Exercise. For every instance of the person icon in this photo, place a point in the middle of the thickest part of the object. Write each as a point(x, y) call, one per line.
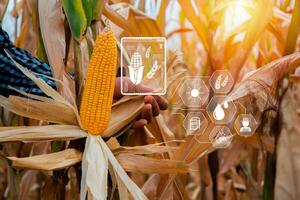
point(245, 125)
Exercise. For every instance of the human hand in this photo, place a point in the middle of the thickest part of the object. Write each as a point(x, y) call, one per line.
point(152, 104)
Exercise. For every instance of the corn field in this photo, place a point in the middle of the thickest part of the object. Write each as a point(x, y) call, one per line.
point(77, 142)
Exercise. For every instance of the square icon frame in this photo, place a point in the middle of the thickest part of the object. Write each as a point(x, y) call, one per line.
point(164, 67)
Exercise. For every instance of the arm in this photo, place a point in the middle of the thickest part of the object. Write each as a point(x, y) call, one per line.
point(11, 76)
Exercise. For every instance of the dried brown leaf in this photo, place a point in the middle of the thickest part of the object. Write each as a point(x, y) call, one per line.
point(47, 111)
point(51, 18)
point(41, 133)
point(122, 115)
point(287, 181)
point(136, 163)
point(58, 160)
point(145, 149)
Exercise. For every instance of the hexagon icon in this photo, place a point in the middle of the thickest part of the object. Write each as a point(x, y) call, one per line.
point(193, 92)
point(195, 123)
point(221, 81)
point(245, 125)
point(221, 110)
point(220, 137)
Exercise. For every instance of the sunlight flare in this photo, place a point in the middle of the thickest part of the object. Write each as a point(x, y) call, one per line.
point(236, 14)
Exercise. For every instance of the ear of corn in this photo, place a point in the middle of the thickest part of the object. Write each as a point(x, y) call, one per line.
point(98, 92)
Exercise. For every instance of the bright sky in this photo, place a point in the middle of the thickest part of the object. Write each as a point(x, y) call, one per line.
point(9, 21)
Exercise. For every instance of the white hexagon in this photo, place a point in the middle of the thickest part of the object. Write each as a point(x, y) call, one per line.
point(221, 81)
point(245, 125)
point(193, 92)
point(221, 110)
point(195, 123)
point(220, 137)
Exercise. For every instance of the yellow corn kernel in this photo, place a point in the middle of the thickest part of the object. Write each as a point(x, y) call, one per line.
point(98, 91)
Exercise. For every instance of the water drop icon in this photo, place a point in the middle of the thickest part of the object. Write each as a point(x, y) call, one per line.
point(219, 113)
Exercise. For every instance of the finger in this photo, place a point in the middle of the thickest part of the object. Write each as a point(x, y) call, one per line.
point(140, 123)
point(162, 102)
point(142, 89)
point(117, 90)
point(128, 87)
point(155, 106)
point(132, 88)
point(147, 112)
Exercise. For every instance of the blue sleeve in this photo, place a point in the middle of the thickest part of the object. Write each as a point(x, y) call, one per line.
point(11, 76)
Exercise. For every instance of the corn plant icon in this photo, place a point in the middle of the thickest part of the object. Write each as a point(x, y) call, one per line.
point(136, 69)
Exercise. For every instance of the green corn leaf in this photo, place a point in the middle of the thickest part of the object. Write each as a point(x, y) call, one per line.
point(76, 17)
point(294, 30)
point(86, 4)
point(93, 9)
